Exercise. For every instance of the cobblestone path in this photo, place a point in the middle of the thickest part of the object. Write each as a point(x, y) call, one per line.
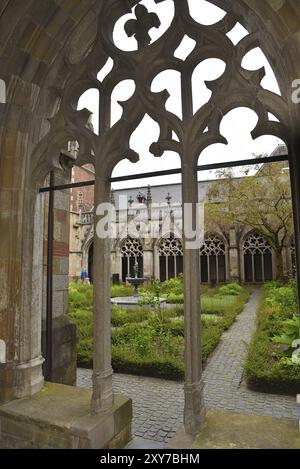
point(158, 404)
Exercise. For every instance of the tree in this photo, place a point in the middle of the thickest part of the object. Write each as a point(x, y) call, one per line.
point(261, 201)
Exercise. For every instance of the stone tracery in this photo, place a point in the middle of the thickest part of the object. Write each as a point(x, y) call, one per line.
point(194, 132)
point(170, 247)
point(170, 258)
point(256, 244)
point(131, 252)
point(236, 87)
point(63, 52)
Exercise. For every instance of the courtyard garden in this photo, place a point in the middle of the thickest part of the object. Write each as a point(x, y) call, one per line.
point(269, 366)
point(150, 341)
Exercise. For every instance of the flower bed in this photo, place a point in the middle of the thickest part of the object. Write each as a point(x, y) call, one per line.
point(269, 366)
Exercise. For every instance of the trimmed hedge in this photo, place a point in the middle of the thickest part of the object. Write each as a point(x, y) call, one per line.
point(268, 367)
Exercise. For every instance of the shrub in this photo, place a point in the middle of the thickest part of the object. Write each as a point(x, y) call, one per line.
point(80, 295)
point(211, 336)
point(284, 297)
point(290, 329)
point(147, 349)
point(175, 298)
point(121, 290)
point(230, 289)
point(216, 304)
point(174, 285)
point(209, 319)
point(121, 316)
point(85, 352)
point(268, 365)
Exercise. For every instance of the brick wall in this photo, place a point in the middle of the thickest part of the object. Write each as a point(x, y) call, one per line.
point(84, 194)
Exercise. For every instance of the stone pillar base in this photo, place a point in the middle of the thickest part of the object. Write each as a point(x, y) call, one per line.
point(59, 417)
point(17, 381)
point(194, 410)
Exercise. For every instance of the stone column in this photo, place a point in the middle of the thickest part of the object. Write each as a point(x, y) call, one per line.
point(148, 261)
point(194, 411)
point(234, 261)
point(20, 270)
point(102, 397)
point(156, 272)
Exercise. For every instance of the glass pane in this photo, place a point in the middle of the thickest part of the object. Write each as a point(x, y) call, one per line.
point(204, 270)
point(213, 269)
point(171, 266)
point(248, 267)
point(268, 266)
point(179, 260)
point(222, 268)
point(162, 268)
point(258, 267)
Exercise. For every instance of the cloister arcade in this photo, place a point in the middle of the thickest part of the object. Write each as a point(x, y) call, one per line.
point(49, 57)
point(256, 259)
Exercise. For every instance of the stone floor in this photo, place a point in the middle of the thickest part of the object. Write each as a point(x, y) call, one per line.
point(158, 404)
point(231, 430)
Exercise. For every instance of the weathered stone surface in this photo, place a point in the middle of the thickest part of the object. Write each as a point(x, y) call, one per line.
point(64, 350)
point(59, 417)
point(34, 56)
point(227, 430)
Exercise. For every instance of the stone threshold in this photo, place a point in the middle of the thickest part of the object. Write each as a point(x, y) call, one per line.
point(229, 430)
point(59, 417)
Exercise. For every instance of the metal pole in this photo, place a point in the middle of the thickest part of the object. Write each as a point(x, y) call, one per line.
point(168, 172)
point(49, 303)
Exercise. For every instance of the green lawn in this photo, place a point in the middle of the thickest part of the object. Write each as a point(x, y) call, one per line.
point(151, 343)
point(269, 366)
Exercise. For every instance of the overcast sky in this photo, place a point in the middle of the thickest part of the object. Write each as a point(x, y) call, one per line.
point(236, 125)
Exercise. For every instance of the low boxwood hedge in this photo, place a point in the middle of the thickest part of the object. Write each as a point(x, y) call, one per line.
point(152, 344)
point(268, 366)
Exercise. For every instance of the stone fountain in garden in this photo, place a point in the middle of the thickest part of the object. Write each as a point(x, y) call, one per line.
point(133, 301)
point(136, 281)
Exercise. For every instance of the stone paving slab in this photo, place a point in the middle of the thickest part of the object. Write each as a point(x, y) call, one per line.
point(158, 404)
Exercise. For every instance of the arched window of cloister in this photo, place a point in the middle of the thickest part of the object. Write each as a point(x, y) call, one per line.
point(213, 260)
point(131, 252)
point(258, 265)
point(186, 129)
point(170, 258)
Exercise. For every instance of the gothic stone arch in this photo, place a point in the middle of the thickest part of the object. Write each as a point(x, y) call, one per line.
point(170, 252)
point(131, 252)
point(213, 259)
point(257, 259)
point(48, 59)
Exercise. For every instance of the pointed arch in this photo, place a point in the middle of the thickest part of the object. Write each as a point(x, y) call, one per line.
point(170, 251)
point(213, 259)
point(257, 258)
point(131, 252)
